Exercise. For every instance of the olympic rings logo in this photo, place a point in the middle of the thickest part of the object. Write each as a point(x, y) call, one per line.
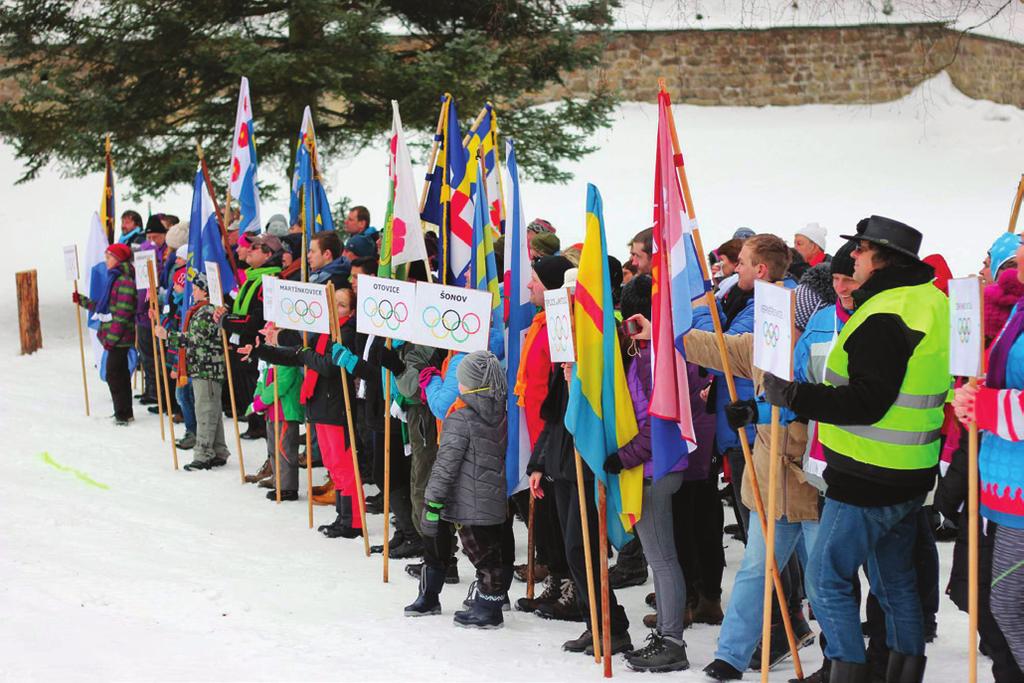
point(563, 332)
point(385, 312)
point(771, 334)
point(451, 323)
point(307, 312)
point(963, 329)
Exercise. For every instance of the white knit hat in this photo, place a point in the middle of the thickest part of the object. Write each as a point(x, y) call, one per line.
point(815, 233)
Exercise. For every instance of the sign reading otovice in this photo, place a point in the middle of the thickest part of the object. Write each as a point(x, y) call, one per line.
point(965, 327)
point(556, 308)
point(773, 329)
point(450, 317)
point(298, 306)
point(384, 307)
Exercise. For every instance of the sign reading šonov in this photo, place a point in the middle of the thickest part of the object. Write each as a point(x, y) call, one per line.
point(556, 308)
point(384, 307)
point(451, 317)
point(773, 329)
point(296, 305)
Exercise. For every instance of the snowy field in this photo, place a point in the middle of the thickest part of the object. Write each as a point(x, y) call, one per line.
point(163, 575)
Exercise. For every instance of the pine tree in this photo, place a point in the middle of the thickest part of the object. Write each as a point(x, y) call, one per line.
point(160, 75)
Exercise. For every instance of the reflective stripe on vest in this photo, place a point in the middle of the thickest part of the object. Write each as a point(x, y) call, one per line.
point(907, 436)
point(904, 400)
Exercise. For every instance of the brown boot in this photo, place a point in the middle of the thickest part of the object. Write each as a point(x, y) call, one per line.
point(264, 472)
point(327, 498)
point(708, 612)
point(326, 488)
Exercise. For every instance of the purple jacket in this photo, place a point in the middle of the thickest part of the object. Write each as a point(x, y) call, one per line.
point(639, 379)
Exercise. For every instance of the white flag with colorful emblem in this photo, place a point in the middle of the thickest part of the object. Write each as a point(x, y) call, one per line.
point(243, 164)
point(406, 233)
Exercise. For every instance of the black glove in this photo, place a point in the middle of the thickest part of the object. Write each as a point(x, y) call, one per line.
point(430, 519)
point(613, 464)
point(739, 414)
point(779, 392)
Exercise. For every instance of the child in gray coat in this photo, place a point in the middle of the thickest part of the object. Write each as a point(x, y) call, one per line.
point(467, 489)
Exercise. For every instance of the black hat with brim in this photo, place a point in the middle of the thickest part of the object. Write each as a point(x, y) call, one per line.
point(890, 234)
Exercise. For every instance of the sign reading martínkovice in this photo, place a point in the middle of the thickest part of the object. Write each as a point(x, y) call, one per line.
point(296, 305)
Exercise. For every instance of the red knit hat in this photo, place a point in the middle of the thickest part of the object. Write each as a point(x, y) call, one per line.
point(122, 252)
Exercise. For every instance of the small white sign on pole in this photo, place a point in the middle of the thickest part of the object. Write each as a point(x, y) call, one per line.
point(269, 304)
point(384, 307)
point(451, 317)
point(71, 262)
point(966, 338)
point(298, 306)
point(142, 270)
point(773, 329)
point(560, 341)
point(213, 282)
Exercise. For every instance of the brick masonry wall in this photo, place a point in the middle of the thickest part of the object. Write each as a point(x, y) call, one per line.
point(803, 65)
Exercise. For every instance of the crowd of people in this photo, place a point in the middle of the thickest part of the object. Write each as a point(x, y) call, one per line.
point(866, 422)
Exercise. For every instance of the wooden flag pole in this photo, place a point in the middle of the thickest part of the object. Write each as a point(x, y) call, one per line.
point(167, 401)
point(773, 475)
point(606, 610)
point(156, 376)
point(81, 352)
point(278, 408)
point(585, 528)
point(476, 124)
point(731, 385)
point(387, 466)
point(529, 551)
point(234, 408)
point(305, 371)
point(1015, 212)
point(336, 333)
point(161, 373)
point(972, 502)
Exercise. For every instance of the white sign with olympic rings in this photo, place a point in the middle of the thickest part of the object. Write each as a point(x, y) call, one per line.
point(384, 307)
point(560, 341)
point(296, 305)
point(773, 329)
point(965, 329)
point(450, 317)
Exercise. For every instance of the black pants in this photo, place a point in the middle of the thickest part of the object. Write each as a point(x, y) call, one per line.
point(567, 501)
point(399, 462)
point(245, 375)
point(547, 529)
point(364, 443)
point(119, 381)
point(699, 517)
point(148, 363)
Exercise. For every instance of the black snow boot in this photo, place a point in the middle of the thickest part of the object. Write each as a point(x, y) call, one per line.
point(660, 655)
point(426, 603)
point(485, 612)
point(474, 591)
point(342, 527)
point(905, 668)
point(849, 672)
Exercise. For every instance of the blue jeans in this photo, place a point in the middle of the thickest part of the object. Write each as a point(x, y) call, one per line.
point(883, 539)
point(741, 630)
point(187, 402)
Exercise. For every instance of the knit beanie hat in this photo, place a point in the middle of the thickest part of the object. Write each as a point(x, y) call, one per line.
point(361, 246)
point(122, 252)
point(842, 262)
point(181, 252)
point(813, 293)
point(551, 271)
point(743, 234)
point(199, 280)
point(481, 372)
point(545, 244)
point(1002, 250)
point(815, 233)
point(179, 277)
point(177, 235)
point(277, 225)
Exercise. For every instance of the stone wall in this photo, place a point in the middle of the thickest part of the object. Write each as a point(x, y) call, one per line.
point(801, 65)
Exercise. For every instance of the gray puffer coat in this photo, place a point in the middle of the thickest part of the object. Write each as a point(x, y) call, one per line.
point(468, 477)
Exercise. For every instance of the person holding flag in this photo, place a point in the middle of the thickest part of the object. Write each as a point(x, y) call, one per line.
point(200, 341)
point(590, 415)
point(115, 310)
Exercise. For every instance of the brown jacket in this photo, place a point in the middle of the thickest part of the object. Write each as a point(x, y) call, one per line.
point(795, 498)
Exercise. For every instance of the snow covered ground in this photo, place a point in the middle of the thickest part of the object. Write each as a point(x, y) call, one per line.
point(165, 575)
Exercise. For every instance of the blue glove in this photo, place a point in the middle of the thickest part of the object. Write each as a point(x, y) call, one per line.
point(431, 517)
point(343, 358)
